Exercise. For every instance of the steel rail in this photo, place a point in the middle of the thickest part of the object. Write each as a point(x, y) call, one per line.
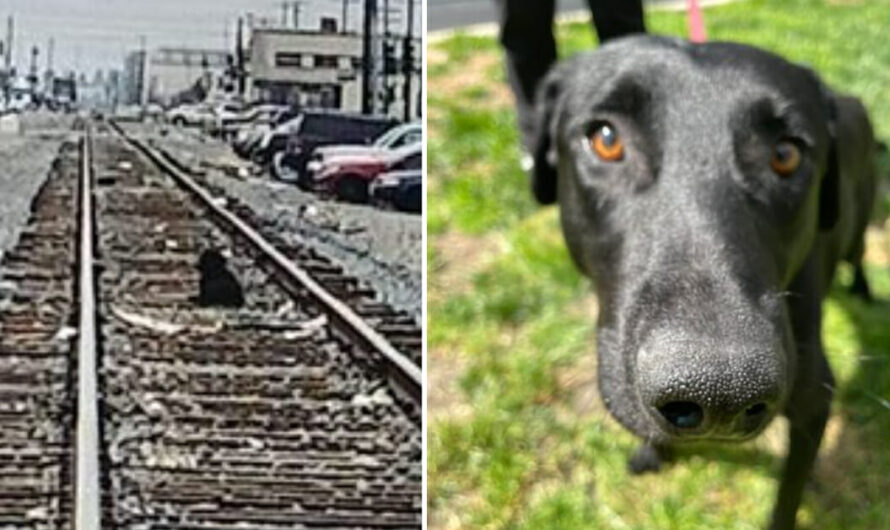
point(404, 374)
point(87, 493)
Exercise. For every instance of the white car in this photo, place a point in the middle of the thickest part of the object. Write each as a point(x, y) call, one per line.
point(191, 114)
point(225, 112)
point(153, 111)
point(232, 124)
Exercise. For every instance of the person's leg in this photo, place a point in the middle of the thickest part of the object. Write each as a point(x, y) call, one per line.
point(616, 18)
point(530, 50)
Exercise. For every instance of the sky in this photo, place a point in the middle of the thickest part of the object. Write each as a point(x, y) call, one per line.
point(91, 34)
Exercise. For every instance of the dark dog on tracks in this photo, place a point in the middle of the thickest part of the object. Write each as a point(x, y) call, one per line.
point(709, 191)
point(217, 285)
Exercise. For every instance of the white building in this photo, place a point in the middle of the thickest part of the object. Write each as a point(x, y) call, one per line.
point(309, 68)
point(321, 69)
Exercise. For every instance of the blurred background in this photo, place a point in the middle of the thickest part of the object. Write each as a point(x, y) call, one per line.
point(518, 436)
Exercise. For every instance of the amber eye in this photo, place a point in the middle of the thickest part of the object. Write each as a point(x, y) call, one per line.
point(785, 159)
point(606, 143)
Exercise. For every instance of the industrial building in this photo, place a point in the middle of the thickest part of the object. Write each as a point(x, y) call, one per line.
point(309, 68)
point(323, 69)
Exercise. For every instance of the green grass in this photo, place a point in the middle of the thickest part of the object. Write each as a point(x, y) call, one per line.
point(527, 443)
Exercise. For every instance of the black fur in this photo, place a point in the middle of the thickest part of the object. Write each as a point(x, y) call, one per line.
point(709, 267)
point(218, 286)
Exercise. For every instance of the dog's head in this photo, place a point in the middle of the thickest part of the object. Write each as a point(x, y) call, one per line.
point(211, 261)
point(692, 181)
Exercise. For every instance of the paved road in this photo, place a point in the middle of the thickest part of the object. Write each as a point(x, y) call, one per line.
point(449, 14)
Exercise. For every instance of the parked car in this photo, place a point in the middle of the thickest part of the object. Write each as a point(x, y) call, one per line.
point(225, 111)
point(400, 136)
point(191, 114)
point(153, 111)
point(348, 177)
point(248, 138)
point(315, 128)
point(402, 190)
point(230, 122)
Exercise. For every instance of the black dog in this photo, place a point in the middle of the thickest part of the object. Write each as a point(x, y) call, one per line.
point(218, 286)
point(708, 191)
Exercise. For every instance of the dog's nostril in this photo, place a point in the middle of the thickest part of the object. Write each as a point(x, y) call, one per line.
point(753, 419)
point(755, 410)
point(682, 414)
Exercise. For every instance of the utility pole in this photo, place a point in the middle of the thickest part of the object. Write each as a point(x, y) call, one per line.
point(144, 88)
point(296, 7)
point(388, 58)
point(32, 70)
point(49, 74)
point(10, 37)
point(284, 9)
point(343, 18)
point(51, 49)
point(408, 59)
point(368, 63)
point(7, 70)
point(239, 56)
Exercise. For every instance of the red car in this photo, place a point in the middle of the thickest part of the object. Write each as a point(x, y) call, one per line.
point(348, 177)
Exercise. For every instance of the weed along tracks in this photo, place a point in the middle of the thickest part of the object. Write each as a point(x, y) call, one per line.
point(138, 396)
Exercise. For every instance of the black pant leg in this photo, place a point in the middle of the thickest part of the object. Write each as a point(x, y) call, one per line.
point(530, 49)
point(616, 18)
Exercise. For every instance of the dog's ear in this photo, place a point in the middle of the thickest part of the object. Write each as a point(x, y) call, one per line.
point(547, 104)
point(829, 192)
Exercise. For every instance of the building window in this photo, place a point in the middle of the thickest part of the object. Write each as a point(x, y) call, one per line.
point(327, 61)
point(288, 59)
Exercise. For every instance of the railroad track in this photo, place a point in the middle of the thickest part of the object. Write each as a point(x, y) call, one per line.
point(37, 357)
point(293, 411)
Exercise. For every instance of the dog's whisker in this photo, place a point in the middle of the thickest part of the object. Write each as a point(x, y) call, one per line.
point(873, 358)
point(884, 402)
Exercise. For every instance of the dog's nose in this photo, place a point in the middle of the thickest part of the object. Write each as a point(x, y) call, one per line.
point(690, 417)
point(697, 389)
